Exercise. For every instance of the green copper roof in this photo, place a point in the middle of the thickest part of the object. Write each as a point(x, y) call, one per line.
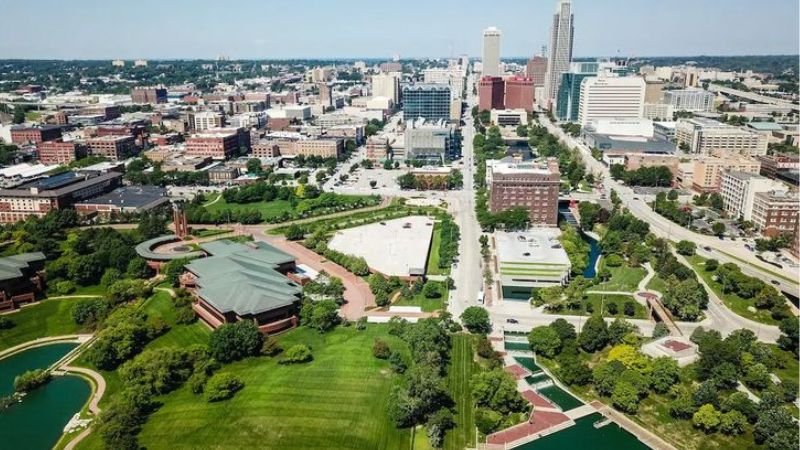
point(11, 266)
point(242, 278)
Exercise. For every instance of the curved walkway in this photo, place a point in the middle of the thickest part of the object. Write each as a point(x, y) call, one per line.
point(45, 341)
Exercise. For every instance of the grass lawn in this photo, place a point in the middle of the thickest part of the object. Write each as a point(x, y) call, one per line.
point(732, 301)
point(433, 255)
point(462, 366)
point(207, 232)
point(771, 272)
point(597, 299)
point(657, 284)
point(42, 319)
point(427, 304)
point(336, 401)
point(623, 278)
point(267, 209)
point(160, 305)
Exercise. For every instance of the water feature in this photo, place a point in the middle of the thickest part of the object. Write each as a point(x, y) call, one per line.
point(560, 397)
point(594, 255)
point(584, 435)
point(38, 421)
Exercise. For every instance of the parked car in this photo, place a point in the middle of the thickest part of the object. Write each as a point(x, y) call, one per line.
point(512, 321)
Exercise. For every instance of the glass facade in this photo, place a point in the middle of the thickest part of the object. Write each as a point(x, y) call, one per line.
point(569, 95)
point(428, 101)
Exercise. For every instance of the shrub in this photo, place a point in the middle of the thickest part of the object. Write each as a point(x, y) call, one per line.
point(614, 260)
point(431, 290)
point(487, 420)
point(380, 349)
point(185, 315)
point(297, 354)
point(629, 308)
point(270, 347)
point(711, 265)
point(222, 386)
point(31, 380)
point(232, 342)
point(707, 418)
point(6, 323)
point(397, 362)
point(89, 312)
point(64, 287)
point(612, 308)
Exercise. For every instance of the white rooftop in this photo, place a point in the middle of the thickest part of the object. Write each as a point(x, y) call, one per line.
point(533, 246)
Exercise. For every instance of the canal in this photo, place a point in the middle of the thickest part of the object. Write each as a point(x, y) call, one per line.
point(584, 435)
point(38, 421)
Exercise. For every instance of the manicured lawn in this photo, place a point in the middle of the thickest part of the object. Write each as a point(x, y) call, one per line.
point(267, 209)
point(657, 284)
point(433, 255)
point(462, 366)
point(427, 304)
point(207, 232)
point(596, 300)
point(42, 319)
point(336, 401)
point(623, 279)
point(732, 301)
point(160, 305)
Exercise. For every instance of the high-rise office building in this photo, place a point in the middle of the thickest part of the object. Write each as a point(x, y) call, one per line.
point(610, 97)
point(491, 52)
point(569, 92)
point(491, 91)
point(537, 69)
point(561, 34)
point(428, 101)
point(386, 85)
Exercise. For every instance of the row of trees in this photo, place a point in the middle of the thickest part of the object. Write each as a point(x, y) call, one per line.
point(654, 176)
point(453, 180)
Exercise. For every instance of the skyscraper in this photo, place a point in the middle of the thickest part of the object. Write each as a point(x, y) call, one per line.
point(491, 52)
point(561, 35)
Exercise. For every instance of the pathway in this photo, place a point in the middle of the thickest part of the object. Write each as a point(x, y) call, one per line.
point(641, 433)
point(356, 291)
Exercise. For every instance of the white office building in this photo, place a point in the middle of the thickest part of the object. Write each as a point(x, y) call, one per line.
point(693, 100)
point(739, 189)
point(658, 111)
point(206, 120)
point(611, 97)
point(704, 136)
point(561, 34)
point(452, 76)
point(491, 52)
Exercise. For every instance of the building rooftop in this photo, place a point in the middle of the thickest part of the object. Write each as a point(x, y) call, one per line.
point(765, 126)
point(10, 266)
point(242, 278)
point(131, 197)
point(511, 165)
point(533, 248)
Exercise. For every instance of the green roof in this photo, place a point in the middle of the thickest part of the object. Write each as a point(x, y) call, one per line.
point(11, 266)
point(145, 249)
point(242, 278)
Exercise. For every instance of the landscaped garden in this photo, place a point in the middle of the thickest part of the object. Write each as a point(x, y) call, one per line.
point(43, 319)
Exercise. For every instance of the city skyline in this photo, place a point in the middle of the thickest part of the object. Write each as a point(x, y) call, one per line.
point(640, 29)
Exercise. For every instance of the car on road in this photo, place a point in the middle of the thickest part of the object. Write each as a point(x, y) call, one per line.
point(776, 282)
point(512, 321)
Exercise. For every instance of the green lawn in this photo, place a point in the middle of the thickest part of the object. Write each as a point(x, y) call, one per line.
point(208, 232)
point(771, 272)
point(45, 318)
point(427, 304)
point(732, 301)
point(657, 284)
point(433, 254)
point(267, 209)
point(160, 305)
point(623, 278)
point(462, 366)
point(597, 299)
point(336, 401)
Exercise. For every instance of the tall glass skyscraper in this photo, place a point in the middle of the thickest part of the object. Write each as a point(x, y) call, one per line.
point(561, 35)
point(569, 90)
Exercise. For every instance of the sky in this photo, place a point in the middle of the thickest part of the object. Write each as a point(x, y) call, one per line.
point(269, 29)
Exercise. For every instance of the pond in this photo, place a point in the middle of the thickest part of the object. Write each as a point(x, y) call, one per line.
point(584, 435)
point(594, 255)
point(38, 421)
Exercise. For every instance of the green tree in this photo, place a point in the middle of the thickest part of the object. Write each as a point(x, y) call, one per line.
point(665, 374)
point(222, 386)
point(686, 248)
point(295, 232)
point(476, 320)
point(322, 315)
point(625, 397)
point(232, 342)
point(544, 341)
point(497, 390)
point(594, 335)
point(298, 353)
point(564, 329)
point(707, 418)
point(732, 423)
point(718, 228)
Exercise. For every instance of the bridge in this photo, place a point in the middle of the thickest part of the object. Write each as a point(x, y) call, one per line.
point(657, 312)
point(752, 96)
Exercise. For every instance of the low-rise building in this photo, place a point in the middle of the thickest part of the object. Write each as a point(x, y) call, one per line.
point(205, 120)
point(38, 197)
point(222, 174)
point(509, 117)
point(220, 143)
point(704, 136)
point(21, 279)
point(738, 190)
point(692, 100)
point(530, 260)
point(143, 95)
point(112, 147)
point(57, 152)
point(432, 142)
point(126, 199)
point(378, 148)
point(634, 161)
point(21, 134)
point(773, 165)
point(707, 171)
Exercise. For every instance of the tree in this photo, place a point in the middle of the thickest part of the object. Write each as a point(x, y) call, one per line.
point(373, 184)
point(564, 329)
point(438, 424)
point(31, 379)
point(707, 418)
point(619, 328)
point(686, 248)
point(594, 335)
point(254, 166)
point(380, 349)
point(544, 341)
point(431, 290)
point(234, 341)
point(173, 269)
point(573, 371)
point(625, 397)
point(686, 300)
point(739, 401)
point(138, 268)
point(497, 390)
point(757, 376)
point(605, 376)
point(771, 422)
point(298, 353)
point(790, 333)
point(295, 232)
point(732, 423)
point(660, 330)
point(222, 386)
point(322, 315)
point(665, 373)
point(476, 320)
point(718, 228)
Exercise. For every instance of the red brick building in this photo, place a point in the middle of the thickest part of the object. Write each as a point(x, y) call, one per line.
point(530, 185)
point(776, 212)
point(267, 149)
point(148, 95)
point(57, 152)
point(112, 147)
point(536, 70)
point(519, 93)
point(23, 280)
point(35, 135)
point(219, 144)
point(491, 91)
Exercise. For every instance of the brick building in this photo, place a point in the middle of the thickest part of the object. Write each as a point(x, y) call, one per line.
point(112, 147)
point(221, 143)
point(142, 95)
point(491, 93)
point(530, 185)
point(35, 135)
point(519, 93)
point(776, 212)
point(21, 279)
point(58, 152)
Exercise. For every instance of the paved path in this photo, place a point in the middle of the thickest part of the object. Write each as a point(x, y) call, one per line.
point(356, 290)
point(641, 433)
point(44, 341)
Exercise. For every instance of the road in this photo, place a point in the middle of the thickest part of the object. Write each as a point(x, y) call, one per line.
point(724, 251)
